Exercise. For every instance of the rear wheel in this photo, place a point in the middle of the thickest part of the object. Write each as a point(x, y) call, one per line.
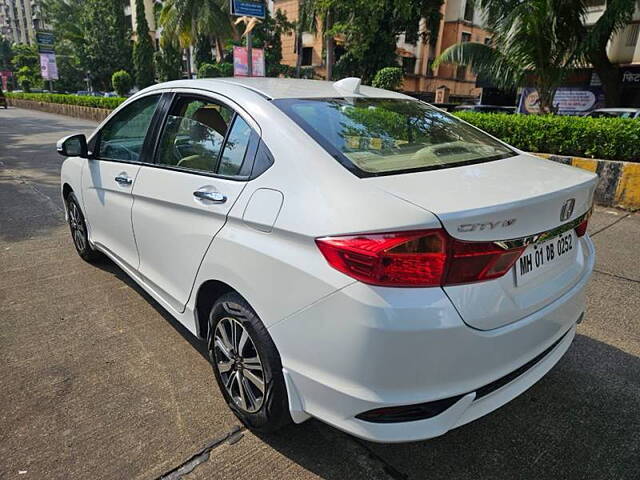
point(247, 365)
point(78, 228)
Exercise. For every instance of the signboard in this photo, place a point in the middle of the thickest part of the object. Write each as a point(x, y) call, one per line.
point(570, 100)
point(240, 64)
point(46, 42)
point(248, 8)
point(48, 66)
point(630, 76)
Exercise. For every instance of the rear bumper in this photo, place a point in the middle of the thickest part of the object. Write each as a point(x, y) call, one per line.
point(364, 348)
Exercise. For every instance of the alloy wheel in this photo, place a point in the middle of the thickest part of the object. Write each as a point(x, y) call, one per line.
point(78, 230)
point(239, 365)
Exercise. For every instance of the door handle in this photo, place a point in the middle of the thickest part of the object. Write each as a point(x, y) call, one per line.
point(123, 180)
point(213, 197)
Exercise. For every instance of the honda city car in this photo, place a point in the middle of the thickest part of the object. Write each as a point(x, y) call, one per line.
point(347, 253)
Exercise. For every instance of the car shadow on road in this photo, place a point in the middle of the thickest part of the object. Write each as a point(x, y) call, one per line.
point(580, 421)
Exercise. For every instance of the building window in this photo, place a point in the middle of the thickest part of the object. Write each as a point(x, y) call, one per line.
point(632, 35)
point(468, 11)
point(487, 41)
point(466, 37)
point(461, 72)
point(409, 64)
point(430, 67)
point(307, 55)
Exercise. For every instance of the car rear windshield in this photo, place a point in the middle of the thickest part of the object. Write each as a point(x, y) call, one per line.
point(382, 136)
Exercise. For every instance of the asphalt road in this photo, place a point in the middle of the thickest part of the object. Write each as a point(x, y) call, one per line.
point(97, 381)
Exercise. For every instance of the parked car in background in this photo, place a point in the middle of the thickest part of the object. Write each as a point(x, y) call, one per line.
point(347, 253)
point(614, 113)
point(485, 109)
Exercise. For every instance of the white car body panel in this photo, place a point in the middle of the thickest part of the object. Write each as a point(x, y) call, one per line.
point(106, 199)
point(174, 229)
point(341, 341)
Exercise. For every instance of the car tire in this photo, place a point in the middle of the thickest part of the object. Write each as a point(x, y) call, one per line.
point(78, 227)
point(247, 358)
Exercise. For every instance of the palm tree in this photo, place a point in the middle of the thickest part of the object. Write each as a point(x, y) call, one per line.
point(533, 42)
point(185, 20)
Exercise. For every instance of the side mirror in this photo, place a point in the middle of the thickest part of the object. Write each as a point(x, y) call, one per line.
point(73, 146)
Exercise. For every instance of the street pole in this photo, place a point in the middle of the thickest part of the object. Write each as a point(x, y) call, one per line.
point(249, 55)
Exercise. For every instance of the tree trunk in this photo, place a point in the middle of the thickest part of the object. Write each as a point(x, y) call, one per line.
point(329, 45)
point(189, 62)
point(219, 49)
point(545, 97)
point(609, 74)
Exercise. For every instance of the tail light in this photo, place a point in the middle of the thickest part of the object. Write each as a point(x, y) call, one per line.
point(423, 258)
point(582, 228)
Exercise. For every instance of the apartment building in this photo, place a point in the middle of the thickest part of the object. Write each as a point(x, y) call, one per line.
point(461, 22)
point(20, 19)
point(624, 50)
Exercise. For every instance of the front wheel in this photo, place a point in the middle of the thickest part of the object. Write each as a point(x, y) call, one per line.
point(78, 228)
point(247, 365)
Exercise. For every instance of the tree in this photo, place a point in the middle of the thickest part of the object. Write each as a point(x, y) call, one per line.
point(122, 83)
point(169, 61)
point(106, 46)
point(371, 29)
point(268, 35)
point(143, 49)
point(26, 64)
point(203, 51)
point(70, 71)
point(6, 54)
point(186, 20)
point(532, 43)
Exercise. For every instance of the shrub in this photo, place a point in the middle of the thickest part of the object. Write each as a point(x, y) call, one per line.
point(85, 101)
point(122, 82)
point(389, 78)
point(208, 70)
point(604, 138)
point(225, 69)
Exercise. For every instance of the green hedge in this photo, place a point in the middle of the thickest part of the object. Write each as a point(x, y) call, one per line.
point(604, 138)
point(85, 101)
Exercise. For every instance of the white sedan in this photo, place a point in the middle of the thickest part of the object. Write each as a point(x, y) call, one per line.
point(347, 253)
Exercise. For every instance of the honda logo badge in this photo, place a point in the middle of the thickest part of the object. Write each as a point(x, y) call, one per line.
point(567, 209)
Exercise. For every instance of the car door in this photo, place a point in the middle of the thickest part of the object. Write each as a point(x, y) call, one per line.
point(203, 157)
point(108, 182)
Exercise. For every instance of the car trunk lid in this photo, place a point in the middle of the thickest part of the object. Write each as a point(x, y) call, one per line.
point(514, 198)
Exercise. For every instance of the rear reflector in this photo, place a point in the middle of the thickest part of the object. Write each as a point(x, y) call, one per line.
point(423, 258)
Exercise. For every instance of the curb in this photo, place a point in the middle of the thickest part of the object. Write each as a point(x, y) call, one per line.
point(618, 184)
point(76, 111)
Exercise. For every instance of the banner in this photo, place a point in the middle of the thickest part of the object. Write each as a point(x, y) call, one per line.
point(240, 64)
point(569, 100)
point(48, 66)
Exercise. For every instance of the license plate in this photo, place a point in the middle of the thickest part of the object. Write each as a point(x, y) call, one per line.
point(541, 257)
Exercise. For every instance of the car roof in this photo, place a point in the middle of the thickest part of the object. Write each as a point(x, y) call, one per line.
point(276, 88)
